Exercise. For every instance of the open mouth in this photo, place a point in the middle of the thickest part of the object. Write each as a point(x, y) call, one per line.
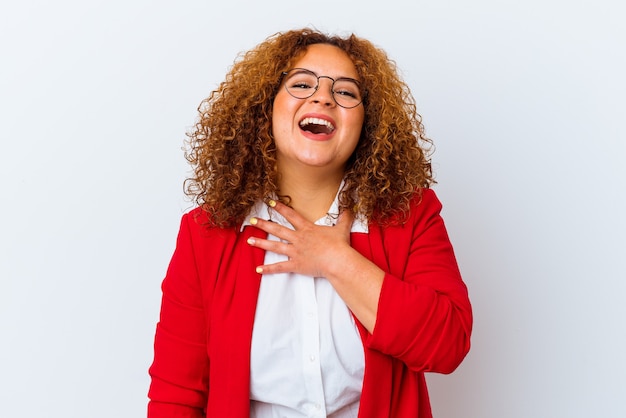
point(316, 126)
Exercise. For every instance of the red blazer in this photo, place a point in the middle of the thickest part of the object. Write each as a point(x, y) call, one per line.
point(201, 364)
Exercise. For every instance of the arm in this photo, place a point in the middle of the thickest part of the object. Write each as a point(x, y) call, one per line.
point(180, 368)
point(424, 314)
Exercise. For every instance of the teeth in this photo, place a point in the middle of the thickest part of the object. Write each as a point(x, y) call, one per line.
point(317, 121)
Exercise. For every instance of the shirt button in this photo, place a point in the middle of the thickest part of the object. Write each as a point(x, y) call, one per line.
point(318, 406)
point(312, 358)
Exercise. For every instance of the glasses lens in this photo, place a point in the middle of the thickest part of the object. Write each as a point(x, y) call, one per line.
point(346, 92)
point(301, 83)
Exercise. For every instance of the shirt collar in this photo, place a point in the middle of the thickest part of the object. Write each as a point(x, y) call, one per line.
point(262, 211)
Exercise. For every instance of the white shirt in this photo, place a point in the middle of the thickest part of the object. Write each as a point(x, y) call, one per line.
point(307, 356)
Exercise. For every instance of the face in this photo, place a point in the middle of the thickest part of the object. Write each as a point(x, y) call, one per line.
point(316, 132)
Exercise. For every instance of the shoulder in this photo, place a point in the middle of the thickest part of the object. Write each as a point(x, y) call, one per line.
point(425, 197)
point(424, 210)
point(197, 224)
point(424, 204)
point(197, 216)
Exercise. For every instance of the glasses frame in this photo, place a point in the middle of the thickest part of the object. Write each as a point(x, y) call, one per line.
point(317, 86)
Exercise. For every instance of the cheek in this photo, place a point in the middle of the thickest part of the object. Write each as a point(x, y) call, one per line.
point(356, 125)
point(355, 117)
point(280, 114)
point(280, 126)
point(355, 132)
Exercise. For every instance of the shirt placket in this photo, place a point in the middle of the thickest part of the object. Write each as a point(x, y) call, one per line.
point(311, 349)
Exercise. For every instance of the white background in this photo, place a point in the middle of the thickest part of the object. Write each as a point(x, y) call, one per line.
point(525, 101)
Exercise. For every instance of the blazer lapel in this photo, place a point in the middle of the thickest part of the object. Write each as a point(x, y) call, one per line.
point(378, 375)
point(235, 299)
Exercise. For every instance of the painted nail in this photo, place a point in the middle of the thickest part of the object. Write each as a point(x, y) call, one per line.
point(251, 241)
point(272, 203)
point(259, 270)
point(253, 221)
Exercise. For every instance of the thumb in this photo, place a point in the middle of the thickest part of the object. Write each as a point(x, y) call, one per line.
point(346, 217)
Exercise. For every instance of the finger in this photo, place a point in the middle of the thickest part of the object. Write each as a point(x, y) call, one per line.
point(273, 228)
point(277, 247)
point(289, 213)
point(281, 267)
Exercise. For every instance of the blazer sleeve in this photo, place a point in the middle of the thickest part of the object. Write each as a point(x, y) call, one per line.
point(179, 372)
point(424, 314)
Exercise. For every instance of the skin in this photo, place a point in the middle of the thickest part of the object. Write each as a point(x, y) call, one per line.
point(312, 166)
point(311, 169)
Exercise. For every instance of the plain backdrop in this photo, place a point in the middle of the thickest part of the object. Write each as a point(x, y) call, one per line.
point(525, 101)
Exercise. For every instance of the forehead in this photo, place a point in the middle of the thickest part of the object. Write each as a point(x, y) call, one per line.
point(329, 60)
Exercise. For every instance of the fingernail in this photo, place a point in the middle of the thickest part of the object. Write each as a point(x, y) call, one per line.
point(271, 203)
point(253, 221)
point(251, 241)
point(259, 270)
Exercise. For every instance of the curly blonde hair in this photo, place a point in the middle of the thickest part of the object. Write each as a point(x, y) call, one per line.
point(233, 154)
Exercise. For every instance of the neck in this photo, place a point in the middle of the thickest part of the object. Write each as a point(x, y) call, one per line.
point(311, 193)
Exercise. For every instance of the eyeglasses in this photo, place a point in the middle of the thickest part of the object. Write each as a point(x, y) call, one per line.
point(302, 84)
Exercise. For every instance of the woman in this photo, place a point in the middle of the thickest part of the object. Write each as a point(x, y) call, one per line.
point(315, 277)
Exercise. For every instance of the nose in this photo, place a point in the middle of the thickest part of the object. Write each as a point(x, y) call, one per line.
point(324, 92)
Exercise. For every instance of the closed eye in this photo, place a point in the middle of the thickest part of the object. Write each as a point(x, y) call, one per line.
point(300, 85)
point(347, 88)
point(346, 93)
